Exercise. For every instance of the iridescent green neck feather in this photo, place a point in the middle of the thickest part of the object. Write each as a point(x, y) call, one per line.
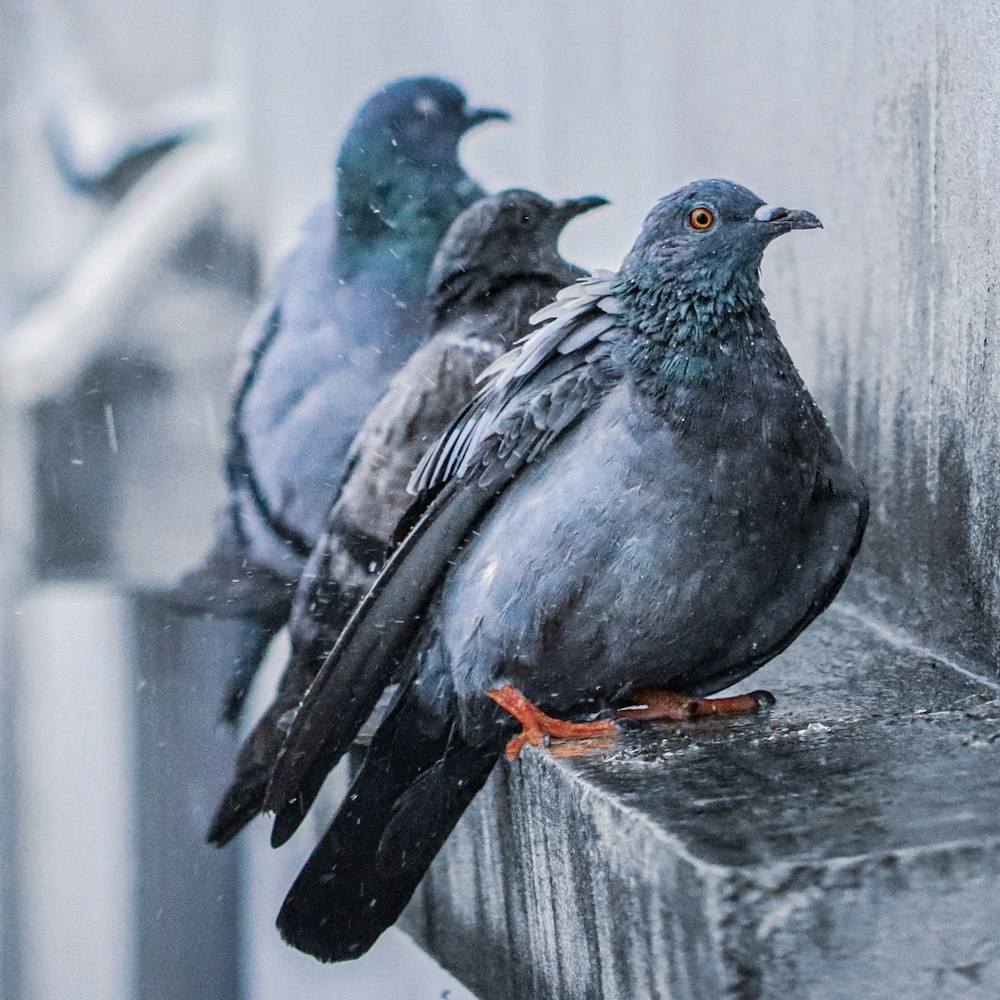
point(392, 213)
point(692, 329)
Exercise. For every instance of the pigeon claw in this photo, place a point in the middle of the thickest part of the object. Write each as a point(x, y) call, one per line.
point(537, 727)
point(658, 703)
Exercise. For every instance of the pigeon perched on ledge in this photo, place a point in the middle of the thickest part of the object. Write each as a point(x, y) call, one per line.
point(498, 264)
point(643, 506)
point(345, 313)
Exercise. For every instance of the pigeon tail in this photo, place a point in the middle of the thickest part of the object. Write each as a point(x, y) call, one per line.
point(244, 798)
point(231, 586)
point(418, 777)
point(247, 655)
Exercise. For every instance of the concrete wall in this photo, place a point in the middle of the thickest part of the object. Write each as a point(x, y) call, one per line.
point(883, 117)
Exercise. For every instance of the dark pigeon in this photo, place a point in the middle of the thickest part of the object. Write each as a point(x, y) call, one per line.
point(642, 507)
point(345, 313)
point(498, 264)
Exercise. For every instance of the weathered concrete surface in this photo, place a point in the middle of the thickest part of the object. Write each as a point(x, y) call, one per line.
point(847, 844)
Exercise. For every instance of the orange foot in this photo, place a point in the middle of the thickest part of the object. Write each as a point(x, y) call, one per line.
point(536, 725)
point(656, 703)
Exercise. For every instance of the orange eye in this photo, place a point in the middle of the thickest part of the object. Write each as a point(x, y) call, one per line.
point(701, 218)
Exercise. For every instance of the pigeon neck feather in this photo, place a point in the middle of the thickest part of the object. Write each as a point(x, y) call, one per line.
point(697, 326)
point(391, 214)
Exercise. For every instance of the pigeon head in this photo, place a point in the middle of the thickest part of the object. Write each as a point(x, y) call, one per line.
point(691, 283)
point(420, 118)
point(698, 255)
point(399, 181)
point(514, 233)
point(710, 230)
point(417, 120)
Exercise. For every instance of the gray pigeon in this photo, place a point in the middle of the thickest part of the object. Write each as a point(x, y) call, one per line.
point(346, 312)
point(642, 507)
point(498, 263)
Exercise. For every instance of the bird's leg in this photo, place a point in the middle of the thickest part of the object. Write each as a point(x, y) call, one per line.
point(536, 725)
point(658, 703)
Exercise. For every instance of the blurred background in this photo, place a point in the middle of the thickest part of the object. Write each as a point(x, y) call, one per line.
point(155, 162)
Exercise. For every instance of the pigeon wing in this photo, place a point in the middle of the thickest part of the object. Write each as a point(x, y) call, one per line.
point(533, 395)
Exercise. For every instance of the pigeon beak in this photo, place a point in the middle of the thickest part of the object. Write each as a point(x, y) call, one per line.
point(570, 208)
point(476, 116)
point(784, 220)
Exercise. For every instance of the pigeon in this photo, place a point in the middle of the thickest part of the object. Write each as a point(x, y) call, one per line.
point(641, 507)
point(345, 313)
point(498, 264)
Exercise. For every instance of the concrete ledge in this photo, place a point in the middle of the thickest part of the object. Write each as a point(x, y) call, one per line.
point(845, 845)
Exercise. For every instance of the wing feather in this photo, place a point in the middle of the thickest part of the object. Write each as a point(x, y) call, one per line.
point(570, 325)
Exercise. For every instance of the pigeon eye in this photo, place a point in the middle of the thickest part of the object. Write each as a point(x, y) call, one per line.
point(701, 218)
point(525, 220)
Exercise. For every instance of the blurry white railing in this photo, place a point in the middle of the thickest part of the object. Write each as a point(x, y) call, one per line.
point(42, 357)
point(68, 679)
point(52, 345)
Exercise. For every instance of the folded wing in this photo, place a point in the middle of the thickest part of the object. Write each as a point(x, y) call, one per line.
point(532, 395)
